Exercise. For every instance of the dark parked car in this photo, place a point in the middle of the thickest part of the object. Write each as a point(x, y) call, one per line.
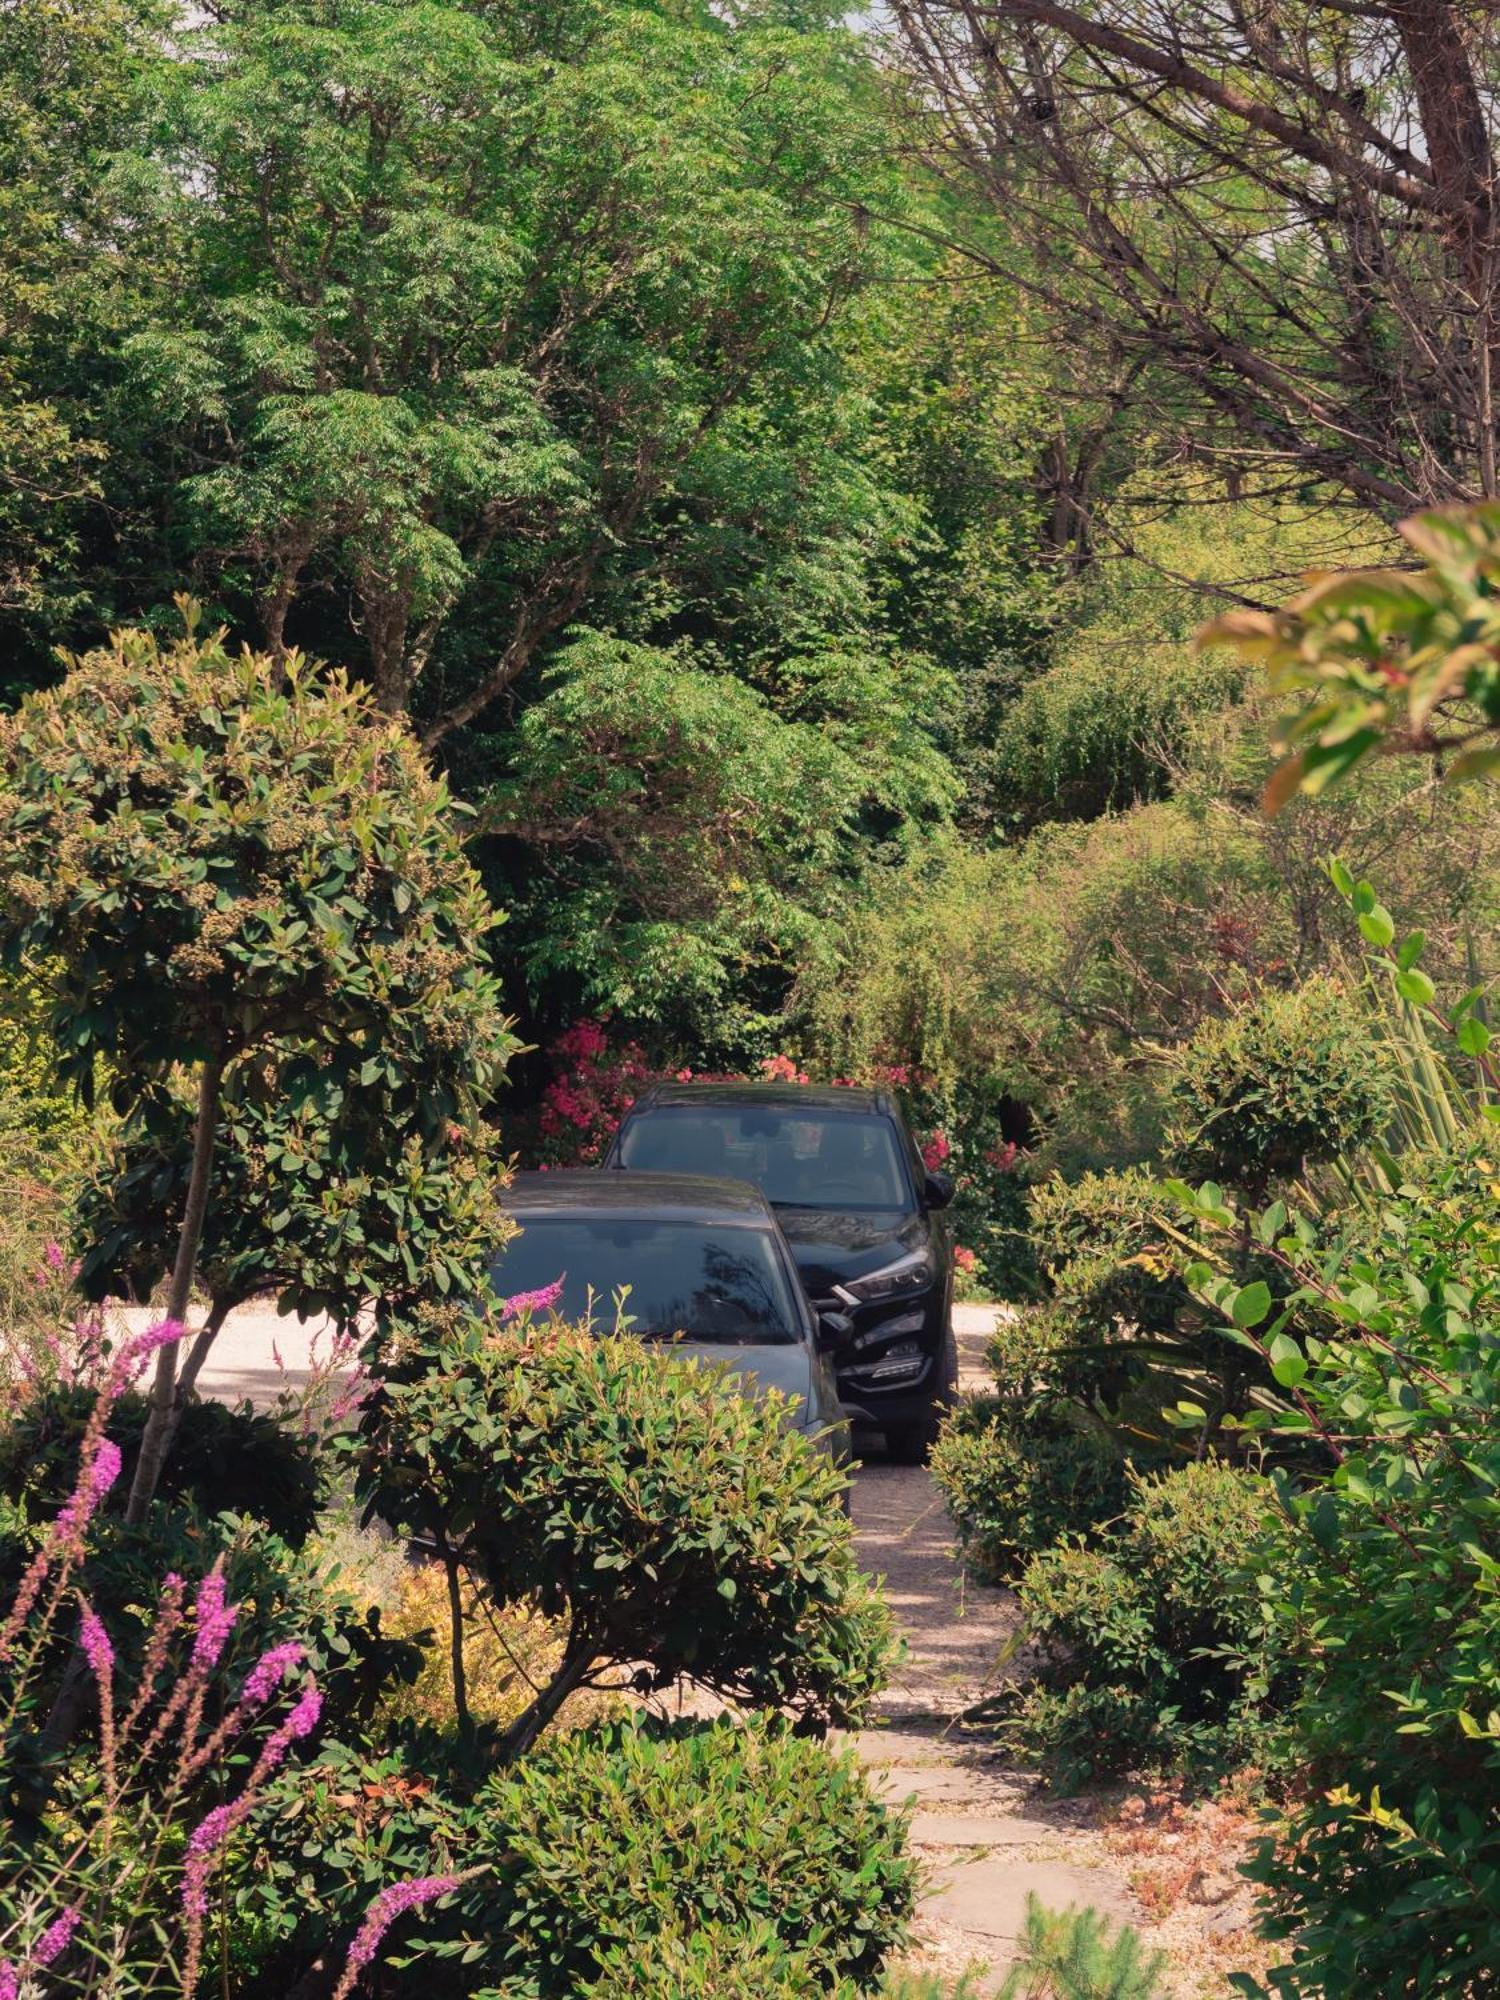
point(860, 1211)
point(674, 1257)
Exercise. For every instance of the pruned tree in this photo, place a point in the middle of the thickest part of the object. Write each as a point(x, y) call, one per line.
point(1286, 207)
point(238, 887)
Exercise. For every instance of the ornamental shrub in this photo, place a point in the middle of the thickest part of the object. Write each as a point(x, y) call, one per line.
point(672, 1522)
point(1287, 1081)
point(236, 869)
point(113, 1857)
point(1015, 1484)
point(1384, 1874)
point(1160, 1652)
point(225, 1462)
point(605, 1839)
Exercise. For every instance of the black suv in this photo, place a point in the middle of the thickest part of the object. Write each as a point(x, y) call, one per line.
point(860, 1211)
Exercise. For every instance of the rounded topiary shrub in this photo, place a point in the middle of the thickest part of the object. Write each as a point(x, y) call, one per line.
point(605, 1841)
point(1014, 1485)
point(1288, 1080)
point(1161, 1654)
point(671, 1523)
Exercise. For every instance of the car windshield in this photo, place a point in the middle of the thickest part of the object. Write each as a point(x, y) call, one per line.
point(719, 1284)
point(812, 1159)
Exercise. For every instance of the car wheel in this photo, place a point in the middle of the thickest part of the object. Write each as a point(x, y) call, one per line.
point(909, 1444)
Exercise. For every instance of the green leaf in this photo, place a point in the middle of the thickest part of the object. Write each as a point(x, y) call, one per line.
point(1377, 926)
point(1288, 1362)
point(1416, 987)
point(1410, 950)
point(1251, 1303)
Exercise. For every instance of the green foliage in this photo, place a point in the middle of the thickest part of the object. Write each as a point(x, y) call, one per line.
point(1078, 1955)
point(1160, 1654)
point(1396, 658)
point(202, 855)
point(1382, 1585)
point(321, 1202)
point(692, 830)
point(1288, 1080)
point(1013, 1486)
point(605, 1838)
point(518, 312)
point(1098, 732)
point(224, 1461)
point(674, 1524)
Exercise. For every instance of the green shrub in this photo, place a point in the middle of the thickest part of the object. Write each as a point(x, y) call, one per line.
point(1288, 1080)
point(1014, 1485)
point(674, 1524)
point(1097, 731)
point(604, 1838)
point(226, 1461)
point(1160, 1651)
point(714, 1962)
point(1385, 1872)
point(1077, 1955)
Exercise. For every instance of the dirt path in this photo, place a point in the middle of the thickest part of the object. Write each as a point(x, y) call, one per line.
point(985, 1839)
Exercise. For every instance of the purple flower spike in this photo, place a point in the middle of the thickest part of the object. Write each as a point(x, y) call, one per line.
point(10, 1981)
point(269, 1671)
point(541, 1301)
point(104, 1470)
point(303, 1719)
point(207, 1837)
point(382, 1913)
point(213, 1620)
point(97, 1648)
point(56, 1938)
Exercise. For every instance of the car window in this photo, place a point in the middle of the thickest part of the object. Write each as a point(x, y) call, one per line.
point(835, 1159)
point(710, 1283)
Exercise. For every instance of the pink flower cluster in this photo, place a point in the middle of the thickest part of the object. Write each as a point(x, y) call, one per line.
point(533, 1304)
point(935, 1151)
point(49, 1947)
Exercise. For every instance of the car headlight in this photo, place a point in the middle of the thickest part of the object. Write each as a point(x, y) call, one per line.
point(908, 1274)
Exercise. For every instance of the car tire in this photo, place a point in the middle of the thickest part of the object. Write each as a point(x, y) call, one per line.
point(909, 1444)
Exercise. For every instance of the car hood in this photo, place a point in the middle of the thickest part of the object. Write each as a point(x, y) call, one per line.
point(832, 1246)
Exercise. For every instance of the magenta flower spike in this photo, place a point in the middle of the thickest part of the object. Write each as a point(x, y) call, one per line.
point(55, 1939)
point(540, 1301)
point(213, 1620)
point(382, 1913)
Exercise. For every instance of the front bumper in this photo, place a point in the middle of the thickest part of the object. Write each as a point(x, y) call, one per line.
point(894, 1370)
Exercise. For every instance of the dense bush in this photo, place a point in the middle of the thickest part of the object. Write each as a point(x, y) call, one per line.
point(1289, 1079)
point(232, 874)
point(1160, 1652)
point(1014, 1485)
point(604, 1838)
point(1385, 1877)
point(1099, 731)
point(674, 1524)
point(225, 1462)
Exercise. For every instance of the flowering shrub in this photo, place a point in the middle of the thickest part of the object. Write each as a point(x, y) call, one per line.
point(120, 1870)
point(593, 1086)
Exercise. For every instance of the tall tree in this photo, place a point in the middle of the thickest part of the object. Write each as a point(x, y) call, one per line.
point(1289, 208)
point(495, 308)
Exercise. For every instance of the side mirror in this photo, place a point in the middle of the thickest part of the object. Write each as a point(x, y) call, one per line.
point(937, 1190)
point(835, 1330)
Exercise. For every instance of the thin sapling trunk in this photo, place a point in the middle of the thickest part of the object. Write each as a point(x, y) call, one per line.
point(161, 1418)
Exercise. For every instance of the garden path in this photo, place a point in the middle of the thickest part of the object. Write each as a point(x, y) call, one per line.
point(985, 1839)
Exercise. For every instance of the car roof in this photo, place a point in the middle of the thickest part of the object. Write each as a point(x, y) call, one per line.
point(645, 1196)
point(795, 1096)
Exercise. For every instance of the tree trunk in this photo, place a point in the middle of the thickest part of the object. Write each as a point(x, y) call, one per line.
point(161, 1420)
point(456, 1643)
point(530, 1723)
